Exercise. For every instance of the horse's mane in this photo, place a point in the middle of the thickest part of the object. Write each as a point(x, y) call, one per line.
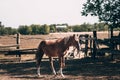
point(66, 39)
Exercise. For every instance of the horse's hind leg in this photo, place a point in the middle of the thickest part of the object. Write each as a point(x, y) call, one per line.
point(52, 66)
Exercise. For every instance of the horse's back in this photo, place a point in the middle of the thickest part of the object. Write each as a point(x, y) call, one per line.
point(49, 42)
point(51, 47)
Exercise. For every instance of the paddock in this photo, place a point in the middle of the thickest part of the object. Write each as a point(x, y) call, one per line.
point(84, 68)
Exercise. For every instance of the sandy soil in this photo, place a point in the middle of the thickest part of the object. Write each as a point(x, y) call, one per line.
point(76, 69)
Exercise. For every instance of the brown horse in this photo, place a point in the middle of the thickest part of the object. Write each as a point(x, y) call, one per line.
point(55, 48)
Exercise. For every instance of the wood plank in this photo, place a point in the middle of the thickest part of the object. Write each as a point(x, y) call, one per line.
point(81, 38)
point(26, 49)
point(20, 51)
point(7, 46)
point(108, 50)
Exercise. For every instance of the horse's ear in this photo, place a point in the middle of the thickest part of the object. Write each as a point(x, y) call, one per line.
point(76, 37)
point(73, 35)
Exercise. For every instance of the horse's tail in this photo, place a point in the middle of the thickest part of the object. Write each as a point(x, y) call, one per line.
point(40, 53)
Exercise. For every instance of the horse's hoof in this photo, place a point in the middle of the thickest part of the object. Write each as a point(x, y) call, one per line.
point(40, 76)
point(62, 76)
point(55, 75)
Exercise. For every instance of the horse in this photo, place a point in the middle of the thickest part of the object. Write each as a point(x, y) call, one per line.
point(55, 48)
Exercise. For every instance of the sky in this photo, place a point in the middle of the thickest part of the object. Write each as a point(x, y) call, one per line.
point(26, 12)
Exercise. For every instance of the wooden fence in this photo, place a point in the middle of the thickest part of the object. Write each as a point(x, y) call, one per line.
point(6, 49)
point(86, 39)
point(113, 45)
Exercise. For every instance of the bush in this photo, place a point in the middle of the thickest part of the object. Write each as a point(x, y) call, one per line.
point(7, 31)
point(46, 29)
point(35, 29)
point(26, 30)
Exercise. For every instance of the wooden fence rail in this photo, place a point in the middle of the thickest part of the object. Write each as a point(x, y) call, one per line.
point(94, 43)
point(7, 46)
point(6, 49)
point(111, 44)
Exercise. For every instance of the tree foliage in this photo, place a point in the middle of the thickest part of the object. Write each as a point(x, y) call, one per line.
point(107, 10)
point(24, 29)
point(52, 28)
point(7, 30)
point(86, 27)
point(35, 29)
point(46, 29)
point(83, 27)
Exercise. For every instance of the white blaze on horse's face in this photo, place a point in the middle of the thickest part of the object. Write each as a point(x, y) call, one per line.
point(77, 40)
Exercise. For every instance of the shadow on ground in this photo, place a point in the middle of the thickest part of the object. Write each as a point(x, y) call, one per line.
point(75, 69)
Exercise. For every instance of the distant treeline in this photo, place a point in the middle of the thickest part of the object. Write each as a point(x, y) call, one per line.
point(46, 29)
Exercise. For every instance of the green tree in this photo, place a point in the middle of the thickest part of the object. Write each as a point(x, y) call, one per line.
point(41, 30)
point(83, 27)
point(86, 27)
point(46, 29)
point(24, 29)
point(52, 28)
point(76, 28)
point(35, 29)
point(102, 27)
point(107, 11)
point(2, 30)
point(8, 30)
point(14, 31)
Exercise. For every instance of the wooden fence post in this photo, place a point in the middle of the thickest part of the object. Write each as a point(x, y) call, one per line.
point(91, 47)
point(86, 44)
point(94, 44)
point(18, 43)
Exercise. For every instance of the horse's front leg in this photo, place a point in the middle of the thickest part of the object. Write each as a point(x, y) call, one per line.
point(52, 66)
point(62, 65)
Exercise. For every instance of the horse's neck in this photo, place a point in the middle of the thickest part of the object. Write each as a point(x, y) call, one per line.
point(66, 44)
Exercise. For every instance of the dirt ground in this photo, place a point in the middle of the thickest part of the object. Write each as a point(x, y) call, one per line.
point(77, 69)
point(101, 68)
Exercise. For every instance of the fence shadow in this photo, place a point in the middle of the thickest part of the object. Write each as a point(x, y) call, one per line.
point(77, 67)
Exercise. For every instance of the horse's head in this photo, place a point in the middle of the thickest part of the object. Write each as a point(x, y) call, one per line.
point(74, 41)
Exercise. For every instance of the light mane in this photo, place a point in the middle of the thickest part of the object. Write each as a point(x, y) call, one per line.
point(66, 40)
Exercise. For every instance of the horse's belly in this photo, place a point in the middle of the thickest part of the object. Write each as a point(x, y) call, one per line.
point(50, 51)
point(51, 54)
